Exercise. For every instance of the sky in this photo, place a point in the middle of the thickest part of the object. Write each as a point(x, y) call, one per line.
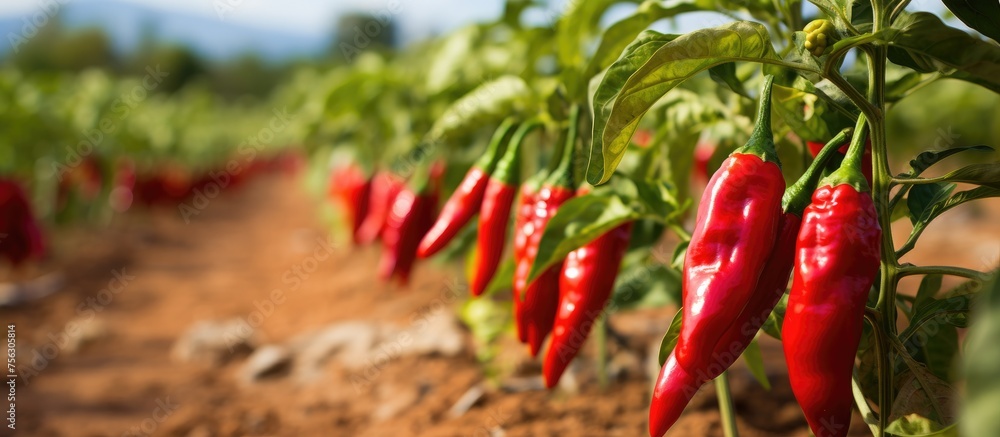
point(417, 18)
point(309, 17)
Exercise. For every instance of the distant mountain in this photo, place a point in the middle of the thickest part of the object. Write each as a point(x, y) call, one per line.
point(128, 23)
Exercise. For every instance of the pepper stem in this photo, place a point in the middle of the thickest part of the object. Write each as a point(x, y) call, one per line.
point(798, 196)
point(761, 142)
point(724, 394)
point(488, 161)
point(563, 174)
point(850, 170)
point(508, 169)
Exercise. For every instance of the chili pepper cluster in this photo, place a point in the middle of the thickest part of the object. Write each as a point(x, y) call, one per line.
point(751, 234)
point(562, 303)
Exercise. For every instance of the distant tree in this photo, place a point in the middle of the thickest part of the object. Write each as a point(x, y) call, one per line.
point(358, 32)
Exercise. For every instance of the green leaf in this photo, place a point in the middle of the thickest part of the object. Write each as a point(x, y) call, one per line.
point(981, 15)
point(790, 105)
point(987, 175)
point(926, 395)
point(929, 287)
point(922, 197)
point(772, 326)
point(446, 63)
point(915, 425)
point(584, 218)
point(755, 362)
point(670, 337)
point(925, 160)
point(924, 43)
point(982, 367)
point(617, 37)
point(644, 46)
point(929, 317)
point(487, 103)
point(725, 74)
point(638, 80)
point(645, 285)
point(899, 211)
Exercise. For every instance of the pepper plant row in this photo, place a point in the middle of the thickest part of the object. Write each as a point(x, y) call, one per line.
point(589, 141)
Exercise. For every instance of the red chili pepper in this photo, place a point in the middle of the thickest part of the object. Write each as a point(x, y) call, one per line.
point(836, 262)
point(675, 386)
point(385, 188)
point(495, 213)
point(522, 235)
point(540, 299)
point(350, 187)
point(20, 234)
point(465, 202)
point(702, 155)
point(585, 284)
point(409, 220)
point(737, 225)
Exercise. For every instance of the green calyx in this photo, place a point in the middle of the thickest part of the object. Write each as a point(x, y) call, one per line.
point(495, 149)
point(850, 170)
point(562, 175)
point(819, 35)
point(508, 169)
point(761, 142)
point(798, 196)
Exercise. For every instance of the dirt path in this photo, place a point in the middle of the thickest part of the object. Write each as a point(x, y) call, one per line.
point(149, 276)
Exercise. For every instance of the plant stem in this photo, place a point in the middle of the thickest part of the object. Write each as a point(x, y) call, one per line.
point(602, 350)
point(726, 405)
point(943, 270)
point(866, 411)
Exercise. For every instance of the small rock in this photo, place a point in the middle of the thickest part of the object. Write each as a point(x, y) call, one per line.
point(624, 364)
point(214, 342)
point(530, 383)
point(464, 403)
point(440, 334)
point(268, 361)
point(394, 399)
point(13, 294)
point(350, 342)
point(83, 332)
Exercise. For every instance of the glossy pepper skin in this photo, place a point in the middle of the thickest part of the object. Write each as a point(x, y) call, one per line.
point(540, 299)
point(675, 387)
point(467, 199)
point(836, 261)
point(23, 238)
point(585, 284)
point(385, 188)
point(737, 224)
point(410, 218)
point(495, 214)
point(352, 189)
point(522, 234)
